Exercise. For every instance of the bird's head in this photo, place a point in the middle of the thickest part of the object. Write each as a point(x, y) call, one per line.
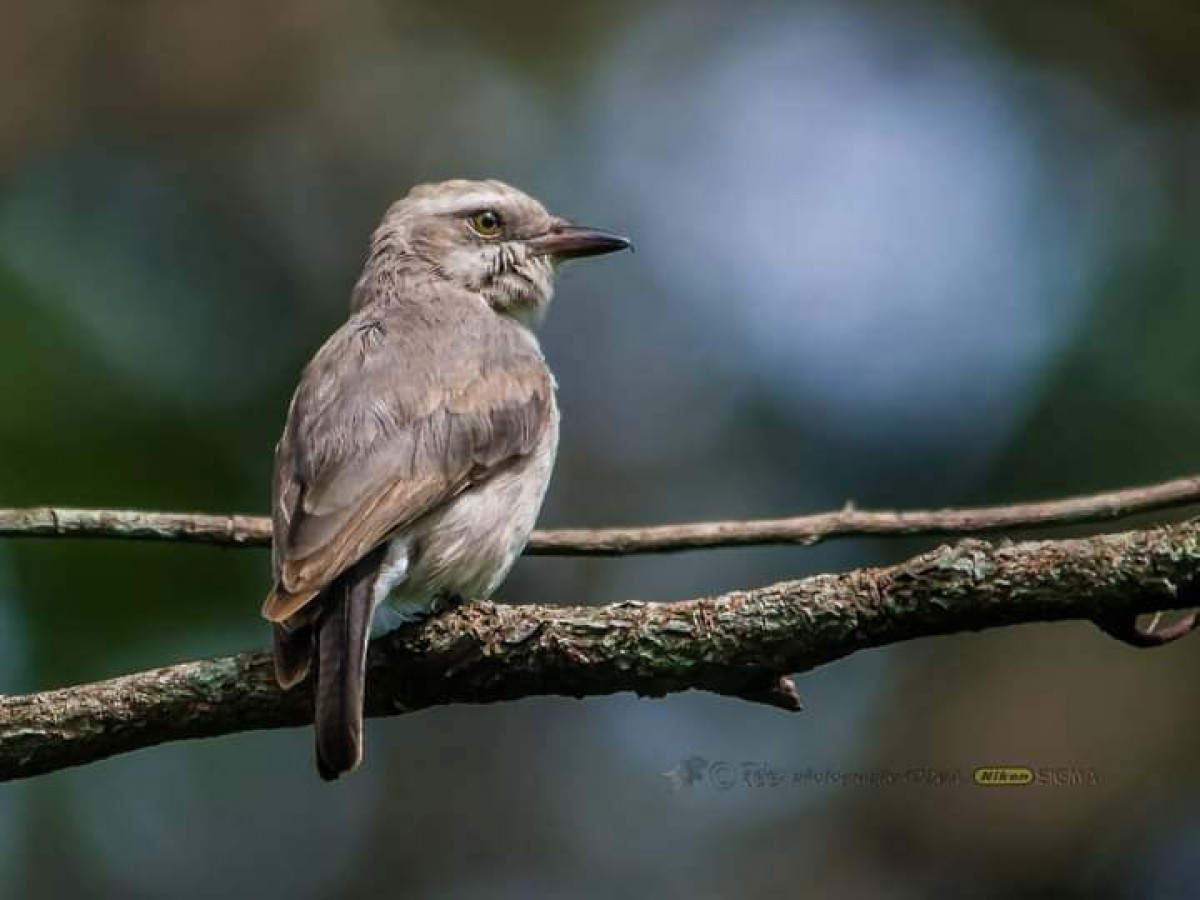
point(489, 238)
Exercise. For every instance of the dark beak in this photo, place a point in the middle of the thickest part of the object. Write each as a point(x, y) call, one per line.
point(567, 241)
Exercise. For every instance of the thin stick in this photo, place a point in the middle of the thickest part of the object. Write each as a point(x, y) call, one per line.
point(237, 530)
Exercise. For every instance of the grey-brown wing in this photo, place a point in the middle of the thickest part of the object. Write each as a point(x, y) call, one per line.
point(388, 423)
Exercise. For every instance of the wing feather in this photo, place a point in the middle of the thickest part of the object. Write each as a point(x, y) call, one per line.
point(393, 418)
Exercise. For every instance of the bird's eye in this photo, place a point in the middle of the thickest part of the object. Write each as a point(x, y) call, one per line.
point(487, 223)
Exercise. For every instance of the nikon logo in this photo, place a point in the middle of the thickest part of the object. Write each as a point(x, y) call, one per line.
point(1003, 776)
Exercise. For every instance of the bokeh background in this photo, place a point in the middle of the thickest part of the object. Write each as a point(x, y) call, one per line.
point(900, 253)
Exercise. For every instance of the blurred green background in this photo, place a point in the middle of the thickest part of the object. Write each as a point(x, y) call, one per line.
point(904, 253)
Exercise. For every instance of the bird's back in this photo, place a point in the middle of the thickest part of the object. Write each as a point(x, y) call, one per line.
point(403, 411)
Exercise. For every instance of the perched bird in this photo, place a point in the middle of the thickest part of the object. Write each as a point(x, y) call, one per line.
point(420, 439)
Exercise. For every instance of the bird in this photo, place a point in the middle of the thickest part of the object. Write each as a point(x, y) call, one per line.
point(420, 439)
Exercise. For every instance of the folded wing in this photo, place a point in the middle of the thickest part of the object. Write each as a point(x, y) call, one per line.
point(373, 442)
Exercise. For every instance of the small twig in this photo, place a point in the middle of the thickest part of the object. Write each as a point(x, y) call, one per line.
point(238, 530)
point(1128, 631)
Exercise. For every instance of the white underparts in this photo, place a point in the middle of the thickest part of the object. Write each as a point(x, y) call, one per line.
point(392, 571)
point(392, 574)
point(463, 549)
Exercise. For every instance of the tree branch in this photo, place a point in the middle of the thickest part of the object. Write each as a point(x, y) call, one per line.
point(738, 644)
point(234, 530)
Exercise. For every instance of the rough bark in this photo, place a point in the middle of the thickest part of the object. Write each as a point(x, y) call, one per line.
point(739, 644)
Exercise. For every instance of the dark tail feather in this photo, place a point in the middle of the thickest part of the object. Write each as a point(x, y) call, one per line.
point(293, 651)
point(342, 634)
